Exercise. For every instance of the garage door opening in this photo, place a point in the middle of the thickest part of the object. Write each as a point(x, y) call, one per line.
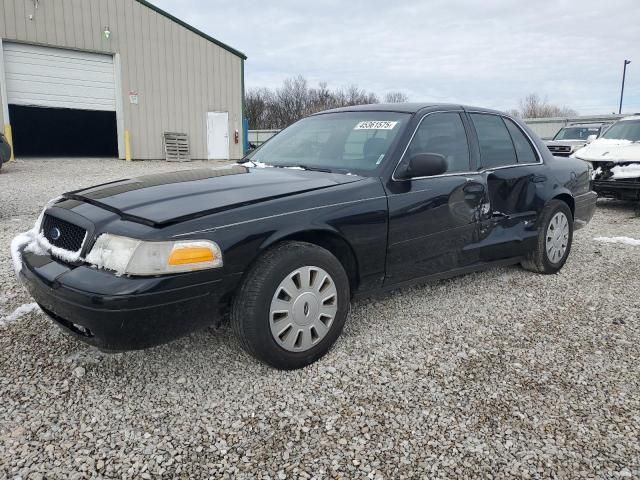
point(63, 132)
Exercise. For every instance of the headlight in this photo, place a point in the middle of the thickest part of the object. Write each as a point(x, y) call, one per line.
point(129, 256)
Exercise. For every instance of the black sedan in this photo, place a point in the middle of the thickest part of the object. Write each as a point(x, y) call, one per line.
point(5, 150)
point(346, 202)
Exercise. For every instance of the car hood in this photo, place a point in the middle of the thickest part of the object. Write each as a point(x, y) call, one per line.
point(610, 150)
point(166, 198)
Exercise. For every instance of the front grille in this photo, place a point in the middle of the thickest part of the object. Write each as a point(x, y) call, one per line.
point(559, 148)
point(63, 234)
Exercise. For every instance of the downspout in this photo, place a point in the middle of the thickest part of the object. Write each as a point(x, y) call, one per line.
point(245, 131)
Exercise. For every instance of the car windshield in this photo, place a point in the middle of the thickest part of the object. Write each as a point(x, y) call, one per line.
point(576, 133)
point(624, 130)
point(336, 142)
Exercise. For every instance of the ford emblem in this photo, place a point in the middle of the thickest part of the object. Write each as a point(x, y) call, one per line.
point(54, 233)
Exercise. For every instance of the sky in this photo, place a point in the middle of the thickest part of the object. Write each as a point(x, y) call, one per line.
point(487, 53)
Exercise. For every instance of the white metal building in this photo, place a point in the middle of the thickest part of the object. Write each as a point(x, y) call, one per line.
point(92, 77)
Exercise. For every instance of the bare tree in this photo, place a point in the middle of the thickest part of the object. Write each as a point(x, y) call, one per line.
point(396, 97)
point(267, 108)
point(257, 102)
point(532, 106)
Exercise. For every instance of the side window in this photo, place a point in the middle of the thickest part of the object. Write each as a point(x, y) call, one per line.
point(496, 147)
point(443, 133)
point(524, 150)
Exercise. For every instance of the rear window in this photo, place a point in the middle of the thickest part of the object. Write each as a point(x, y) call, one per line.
point(524, 150)
point(576, 133)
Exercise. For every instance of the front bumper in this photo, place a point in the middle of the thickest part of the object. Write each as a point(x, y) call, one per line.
point(626, 189)
point(123, 313)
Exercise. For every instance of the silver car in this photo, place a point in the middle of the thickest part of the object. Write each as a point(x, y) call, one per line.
point(571, 138)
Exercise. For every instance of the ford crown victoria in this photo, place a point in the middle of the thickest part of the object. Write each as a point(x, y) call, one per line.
point(343, 203)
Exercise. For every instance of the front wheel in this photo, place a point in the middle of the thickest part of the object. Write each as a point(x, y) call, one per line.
point(292, 305)
point(555, 235)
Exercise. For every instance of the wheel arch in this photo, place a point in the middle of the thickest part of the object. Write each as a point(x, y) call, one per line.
point(329, 239)
point(569, 200)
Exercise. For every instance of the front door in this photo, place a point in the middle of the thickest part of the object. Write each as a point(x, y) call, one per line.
point(218, 135)
point(432, 219)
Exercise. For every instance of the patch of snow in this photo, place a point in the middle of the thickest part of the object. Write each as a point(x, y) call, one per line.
point(259, 164)
point(266, 165)
point(19, 312)
point(35, 242)
point(43, 246)
point(626, 171)
point(624, 240)
point(112, 253)
point(597, 172)
point(602, 142)
point(17, 243)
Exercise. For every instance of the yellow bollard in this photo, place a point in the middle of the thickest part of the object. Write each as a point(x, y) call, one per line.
point(9, 136)
point(127, 146)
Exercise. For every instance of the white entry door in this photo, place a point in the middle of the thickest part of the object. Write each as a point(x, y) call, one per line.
point(218, 135)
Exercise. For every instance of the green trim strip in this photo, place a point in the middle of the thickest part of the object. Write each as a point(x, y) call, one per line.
point(193, 29)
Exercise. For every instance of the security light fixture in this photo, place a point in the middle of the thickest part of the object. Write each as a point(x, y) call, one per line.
point(624, 75)
point(107, 33)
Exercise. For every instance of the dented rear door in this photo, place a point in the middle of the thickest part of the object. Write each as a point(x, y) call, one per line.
point(514, 176)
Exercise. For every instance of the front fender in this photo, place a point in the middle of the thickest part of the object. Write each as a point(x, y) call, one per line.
point(296, 231)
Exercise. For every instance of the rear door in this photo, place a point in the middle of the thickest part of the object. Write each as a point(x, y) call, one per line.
point(432, 219)
point(513, 172)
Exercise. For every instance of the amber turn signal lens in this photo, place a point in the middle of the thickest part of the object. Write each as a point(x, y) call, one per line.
point(186, 256)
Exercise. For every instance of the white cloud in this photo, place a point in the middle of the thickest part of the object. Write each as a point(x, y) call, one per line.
point(487, 53)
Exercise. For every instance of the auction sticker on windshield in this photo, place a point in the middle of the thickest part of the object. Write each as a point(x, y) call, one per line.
point(376, 125)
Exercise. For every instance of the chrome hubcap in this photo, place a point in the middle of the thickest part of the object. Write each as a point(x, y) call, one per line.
point(557, 239)
point(303, 309)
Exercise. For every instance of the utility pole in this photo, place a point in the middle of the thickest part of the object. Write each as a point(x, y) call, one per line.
point(624, 74)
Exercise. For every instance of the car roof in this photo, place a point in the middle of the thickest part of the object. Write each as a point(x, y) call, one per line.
point(406, 108)
point(631, 117)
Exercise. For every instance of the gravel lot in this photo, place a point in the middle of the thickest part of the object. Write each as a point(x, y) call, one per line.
point(498, 374)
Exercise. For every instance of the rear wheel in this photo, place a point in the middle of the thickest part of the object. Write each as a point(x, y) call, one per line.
point(555, 235)
point(292, 305)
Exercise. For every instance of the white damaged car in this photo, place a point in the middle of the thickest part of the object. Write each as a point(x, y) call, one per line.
point(615, 157)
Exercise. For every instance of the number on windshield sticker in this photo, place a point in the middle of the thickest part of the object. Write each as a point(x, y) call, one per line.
point(376, 125)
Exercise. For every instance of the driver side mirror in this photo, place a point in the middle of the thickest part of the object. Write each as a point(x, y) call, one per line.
point(425, 165)
point(591, 138)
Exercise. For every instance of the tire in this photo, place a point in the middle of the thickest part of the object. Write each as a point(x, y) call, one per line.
point(262, 310)
point(553, 244)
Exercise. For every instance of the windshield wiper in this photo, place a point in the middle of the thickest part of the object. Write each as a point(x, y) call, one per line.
point(305, 167)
